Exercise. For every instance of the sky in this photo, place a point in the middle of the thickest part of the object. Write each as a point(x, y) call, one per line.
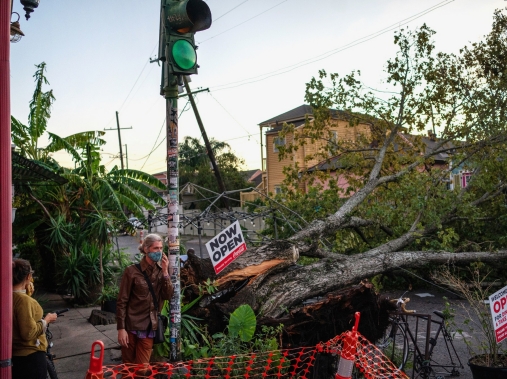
point(255, 59)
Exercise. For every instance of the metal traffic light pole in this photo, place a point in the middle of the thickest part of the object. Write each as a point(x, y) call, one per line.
point(179, 20)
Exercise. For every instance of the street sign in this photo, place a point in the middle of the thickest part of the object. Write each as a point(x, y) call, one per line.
point(226, 246)
point(498, 306)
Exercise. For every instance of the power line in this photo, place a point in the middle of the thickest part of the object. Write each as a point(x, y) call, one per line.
point(160, 131)
point(251, 18)
point(229, 11)
point(329, 53)
point(124, 101)
point(148, 61)
point(193, 156)
point(232, 117)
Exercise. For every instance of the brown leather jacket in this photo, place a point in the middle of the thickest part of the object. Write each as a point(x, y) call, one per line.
point(134, 307)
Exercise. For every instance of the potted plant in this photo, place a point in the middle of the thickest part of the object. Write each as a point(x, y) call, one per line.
point(488, 360)
point(107, 298)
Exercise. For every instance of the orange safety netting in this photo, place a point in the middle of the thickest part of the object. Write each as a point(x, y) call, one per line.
point(279, 364)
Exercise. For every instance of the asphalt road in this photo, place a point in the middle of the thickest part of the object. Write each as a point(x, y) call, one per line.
point(425, 301)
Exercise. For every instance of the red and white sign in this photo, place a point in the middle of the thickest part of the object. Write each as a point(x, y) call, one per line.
point(498, 305)
point(226, 246)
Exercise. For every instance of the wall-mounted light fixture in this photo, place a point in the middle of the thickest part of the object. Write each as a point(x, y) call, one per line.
point(28, 5)
point(16, 33)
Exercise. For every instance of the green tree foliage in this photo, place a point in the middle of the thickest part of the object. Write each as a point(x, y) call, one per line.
point(60, 218)
point(195, 167)
point(398, 196)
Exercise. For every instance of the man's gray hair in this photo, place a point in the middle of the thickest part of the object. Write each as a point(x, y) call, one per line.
point(149, 240)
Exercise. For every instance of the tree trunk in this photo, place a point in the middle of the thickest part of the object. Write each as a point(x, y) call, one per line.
point(321, 297)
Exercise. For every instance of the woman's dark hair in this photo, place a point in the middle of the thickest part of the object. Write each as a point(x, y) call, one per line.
point(20, 270)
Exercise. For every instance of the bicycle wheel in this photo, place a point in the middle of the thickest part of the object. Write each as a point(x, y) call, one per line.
point(394, 345)
point(51, 369)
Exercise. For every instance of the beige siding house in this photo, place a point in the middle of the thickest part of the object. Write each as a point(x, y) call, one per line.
point(339, 128)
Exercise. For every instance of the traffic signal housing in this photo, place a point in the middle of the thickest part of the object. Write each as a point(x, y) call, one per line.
point(183, 19)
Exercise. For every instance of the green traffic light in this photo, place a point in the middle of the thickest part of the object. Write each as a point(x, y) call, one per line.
point(184, 54)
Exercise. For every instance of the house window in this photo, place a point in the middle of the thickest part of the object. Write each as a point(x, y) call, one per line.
point(331, 145)
point(278, 190)
point(278, 141)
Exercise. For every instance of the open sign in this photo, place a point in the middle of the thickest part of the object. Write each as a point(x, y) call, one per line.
point(498, 306)
point(226, 247)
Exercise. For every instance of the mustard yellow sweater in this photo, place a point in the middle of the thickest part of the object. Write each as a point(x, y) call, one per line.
point(27, 335)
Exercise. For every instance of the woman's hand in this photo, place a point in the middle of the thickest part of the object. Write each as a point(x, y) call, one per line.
point(123, 337)
point(50, 317)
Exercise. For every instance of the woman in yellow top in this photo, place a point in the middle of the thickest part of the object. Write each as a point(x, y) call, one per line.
point(28, 335)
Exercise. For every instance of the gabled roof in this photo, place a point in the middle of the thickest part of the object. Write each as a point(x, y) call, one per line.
point(296, 117)
point(337, 162)
point(295, 114)
point(254, 176)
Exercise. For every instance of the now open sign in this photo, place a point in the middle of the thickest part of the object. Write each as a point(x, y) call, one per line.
point(226, 247)
point(498, 306)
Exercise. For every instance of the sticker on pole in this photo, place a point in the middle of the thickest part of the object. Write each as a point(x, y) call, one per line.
point(226, 247)
point(498, 305)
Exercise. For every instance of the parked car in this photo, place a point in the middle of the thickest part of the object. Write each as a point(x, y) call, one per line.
point(134, 221)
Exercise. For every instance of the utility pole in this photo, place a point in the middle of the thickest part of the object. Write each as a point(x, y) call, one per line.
point(211, 156)
point(126, 157)
point(119, 137)
point(179, 20)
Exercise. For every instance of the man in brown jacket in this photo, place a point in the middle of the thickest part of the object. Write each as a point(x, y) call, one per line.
point(136, 315)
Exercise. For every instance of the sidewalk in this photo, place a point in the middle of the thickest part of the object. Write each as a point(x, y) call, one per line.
point(73, 337)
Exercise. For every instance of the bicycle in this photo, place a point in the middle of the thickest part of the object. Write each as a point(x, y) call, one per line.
point(49, 356)
point(400, 342)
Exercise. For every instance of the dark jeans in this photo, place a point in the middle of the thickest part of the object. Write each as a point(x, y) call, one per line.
point(33, 366)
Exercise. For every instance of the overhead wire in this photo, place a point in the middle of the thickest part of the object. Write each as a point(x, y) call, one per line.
point(124, 101)
point(194, 156)
point(163, 139)
point(329, 53)
point(229, 11)
point(226, 111)
point(244, 22)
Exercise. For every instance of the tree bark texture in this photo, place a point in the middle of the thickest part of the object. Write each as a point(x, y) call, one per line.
point(314, 302)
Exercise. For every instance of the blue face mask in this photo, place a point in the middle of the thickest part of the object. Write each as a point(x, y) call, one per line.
point(155, 256)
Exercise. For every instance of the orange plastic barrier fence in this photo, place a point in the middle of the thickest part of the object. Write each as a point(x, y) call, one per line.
point(95, 370)
point(279, 364)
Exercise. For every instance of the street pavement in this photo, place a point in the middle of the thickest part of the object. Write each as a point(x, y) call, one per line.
point(73, 335)
point(426, 300)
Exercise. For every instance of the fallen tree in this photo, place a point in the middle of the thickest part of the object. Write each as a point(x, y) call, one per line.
point(399, 210)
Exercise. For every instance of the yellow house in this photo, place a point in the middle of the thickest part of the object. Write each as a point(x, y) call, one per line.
point(339, 129)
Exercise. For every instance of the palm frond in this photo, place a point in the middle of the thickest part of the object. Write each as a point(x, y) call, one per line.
point(110, 195)
point(80, 140)
point(58, 143)
point(19, 135)
point(133, 195)
point(140, 176)
point(40, 105)
point(145, 191)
